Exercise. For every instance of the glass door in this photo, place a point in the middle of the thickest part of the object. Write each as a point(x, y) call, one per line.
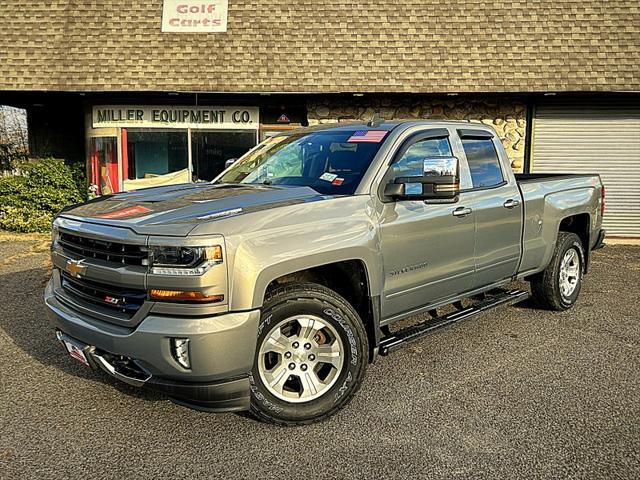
point(211, 149)
point(154, 157)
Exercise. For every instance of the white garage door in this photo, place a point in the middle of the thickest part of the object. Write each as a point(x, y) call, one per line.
point(595, 137)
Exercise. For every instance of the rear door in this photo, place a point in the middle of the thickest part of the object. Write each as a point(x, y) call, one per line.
point(497, 206)
point(427, 250)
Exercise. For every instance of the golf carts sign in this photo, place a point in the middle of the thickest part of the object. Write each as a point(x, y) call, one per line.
point(185, 16)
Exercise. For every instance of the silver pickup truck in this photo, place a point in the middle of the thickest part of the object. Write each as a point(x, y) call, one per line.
point(271, 288)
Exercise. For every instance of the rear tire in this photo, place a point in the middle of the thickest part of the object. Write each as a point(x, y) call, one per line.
point(311, 355)
point(558, 286)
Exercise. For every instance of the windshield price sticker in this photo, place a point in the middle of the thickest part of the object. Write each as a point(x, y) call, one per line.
point(329, 177)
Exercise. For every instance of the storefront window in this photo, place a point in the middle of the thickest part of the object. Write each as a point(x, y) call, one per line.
point(140, 146)
point(103, 158)
point(155, 157)
point(210, 150)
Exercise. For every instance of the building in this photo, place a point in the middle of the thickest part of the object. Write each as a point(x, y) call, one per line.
point(147, 100)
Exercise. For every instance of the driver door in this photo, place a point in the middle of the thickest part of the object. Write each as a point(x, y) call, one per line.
point(427, 250)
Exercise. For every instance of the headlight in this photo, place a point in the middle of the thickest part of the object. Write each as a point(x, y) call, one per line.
point(183, 260)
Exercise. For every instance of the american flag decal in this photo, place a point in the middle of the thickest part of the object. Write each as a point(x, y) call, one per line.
point(367, 136)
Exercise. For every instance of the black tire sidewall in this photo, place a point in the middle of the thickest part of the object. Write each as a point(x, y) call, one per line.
point(571, 242)
point(353, 339)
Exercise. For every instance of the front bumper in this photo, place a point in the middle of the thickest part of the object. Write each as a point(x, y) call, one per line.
point(221, 351)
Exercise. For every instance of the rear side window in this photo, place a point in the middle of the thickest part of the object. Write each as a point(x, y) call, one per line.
point(483, 162)
point(411, 162)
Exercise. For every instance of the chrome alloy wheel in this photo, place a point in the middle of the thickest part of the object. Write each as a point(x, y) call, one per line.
point(569, 272)
point(300, 358)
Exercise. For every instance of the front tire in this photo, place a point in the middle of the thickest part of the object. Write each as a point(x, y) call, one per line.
point(311, 355)
point(558, 286)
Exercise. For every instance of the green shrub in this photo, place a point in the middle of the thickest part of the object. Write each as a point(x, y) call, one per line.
point(30, 200)
point(79, 172)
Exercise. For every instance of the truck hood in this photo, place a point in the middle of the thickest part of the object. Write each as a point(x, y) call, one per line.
point(176, 209)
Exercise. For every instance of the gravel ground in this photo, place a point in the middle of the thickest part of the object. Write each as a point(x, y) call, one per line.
point(517, 393)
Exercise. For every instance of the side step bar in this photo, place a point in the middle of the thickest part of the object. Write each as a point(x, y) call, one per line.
point(401, 338)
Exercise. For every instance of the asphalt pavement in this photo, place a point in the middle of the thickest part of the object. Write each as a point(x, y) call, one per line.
point(518, 393)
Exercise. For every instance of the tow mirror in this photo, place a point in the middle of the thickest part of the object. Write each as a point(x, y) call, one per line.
point(439, 183)
point(229, 162)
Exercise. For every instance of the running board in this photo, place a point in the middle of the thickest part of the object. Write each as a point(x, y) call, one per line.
point(401, 338)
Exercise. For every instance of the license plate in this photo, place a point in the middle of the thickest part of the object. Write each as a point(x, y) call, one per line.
point(76, 352)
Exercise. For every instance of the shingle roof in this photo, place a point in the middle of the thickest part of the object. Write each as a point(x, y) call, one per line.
point(325, 46)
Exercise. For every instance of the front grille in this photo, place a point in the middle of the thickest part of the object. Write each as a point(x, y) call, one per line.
point(124, 254)
point(122, 299)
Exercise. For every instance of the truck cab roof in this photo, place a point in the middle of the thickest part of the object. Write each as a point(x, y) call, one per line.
point(386, 125)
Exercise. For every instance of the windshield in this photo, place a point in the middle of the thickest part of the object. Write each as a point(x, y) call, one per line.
point(331, 162)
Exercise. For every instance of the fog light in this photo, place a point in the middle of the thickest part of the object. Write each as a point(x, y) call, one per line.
point(180, 351)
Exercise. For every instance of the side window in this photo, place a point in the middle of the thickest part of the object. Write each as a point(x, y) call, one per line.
point(411, 165)
point(483, 162)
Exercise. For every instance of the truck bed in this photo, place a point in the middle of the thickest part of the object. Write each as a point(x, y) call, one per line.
point(548, 198)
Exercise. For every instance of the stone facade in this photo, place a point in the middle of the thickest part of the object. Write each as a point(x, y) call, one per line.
point(506, 115)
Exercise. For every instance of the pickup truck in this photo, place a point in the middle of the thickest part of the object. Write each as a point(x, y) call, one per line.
point(273, 287)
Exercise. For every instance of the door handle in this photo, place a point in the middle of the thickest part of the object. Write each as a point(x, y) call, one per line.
point(462, 212)
point(511, 203)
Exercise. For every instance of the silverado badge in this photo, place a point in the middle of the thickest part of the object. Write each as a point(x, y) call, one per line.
point(77, 268)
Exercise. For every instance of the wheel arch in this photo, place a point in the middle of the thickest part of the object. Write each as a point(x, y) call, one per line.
point(349, 278)
point(580, 224)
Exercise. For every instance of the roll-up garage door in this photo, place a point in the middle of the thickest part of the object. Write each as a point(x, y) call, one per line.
point(595, 137)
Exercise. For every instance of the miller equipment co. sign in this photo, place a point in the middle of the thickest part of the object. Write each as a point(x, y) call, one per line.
point(194, 16)
point(145, 116)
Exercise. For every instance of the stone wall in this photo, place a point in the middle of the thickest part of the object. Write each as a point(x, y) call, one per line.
point(506, 115)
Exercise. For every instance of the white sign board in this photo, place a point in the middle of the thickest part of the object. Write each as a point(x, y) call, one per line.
point(163, 116)
point(189, 16)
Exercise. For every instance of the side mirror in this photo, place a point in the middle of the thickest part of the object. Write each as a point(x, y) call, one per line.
point(229, 162)
point(439, 183)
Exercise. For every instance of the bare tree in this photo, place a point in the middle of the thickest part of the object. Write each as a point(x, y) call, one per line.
point(14, 140)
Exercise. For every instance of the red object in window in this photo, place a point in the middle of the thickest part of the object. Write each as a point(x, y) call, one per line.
point(125, 155)
point(95, 171)
point(112, 167)
point(602, 201)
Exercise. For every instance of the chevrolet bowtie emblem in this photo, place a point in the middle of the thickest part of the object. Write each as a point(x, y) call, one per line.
point(77, 268)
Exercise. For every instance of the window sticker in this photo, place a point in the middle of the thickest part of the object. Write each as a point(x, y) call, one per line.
point(337, 181)
point(367, 136)
point(329, 177)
